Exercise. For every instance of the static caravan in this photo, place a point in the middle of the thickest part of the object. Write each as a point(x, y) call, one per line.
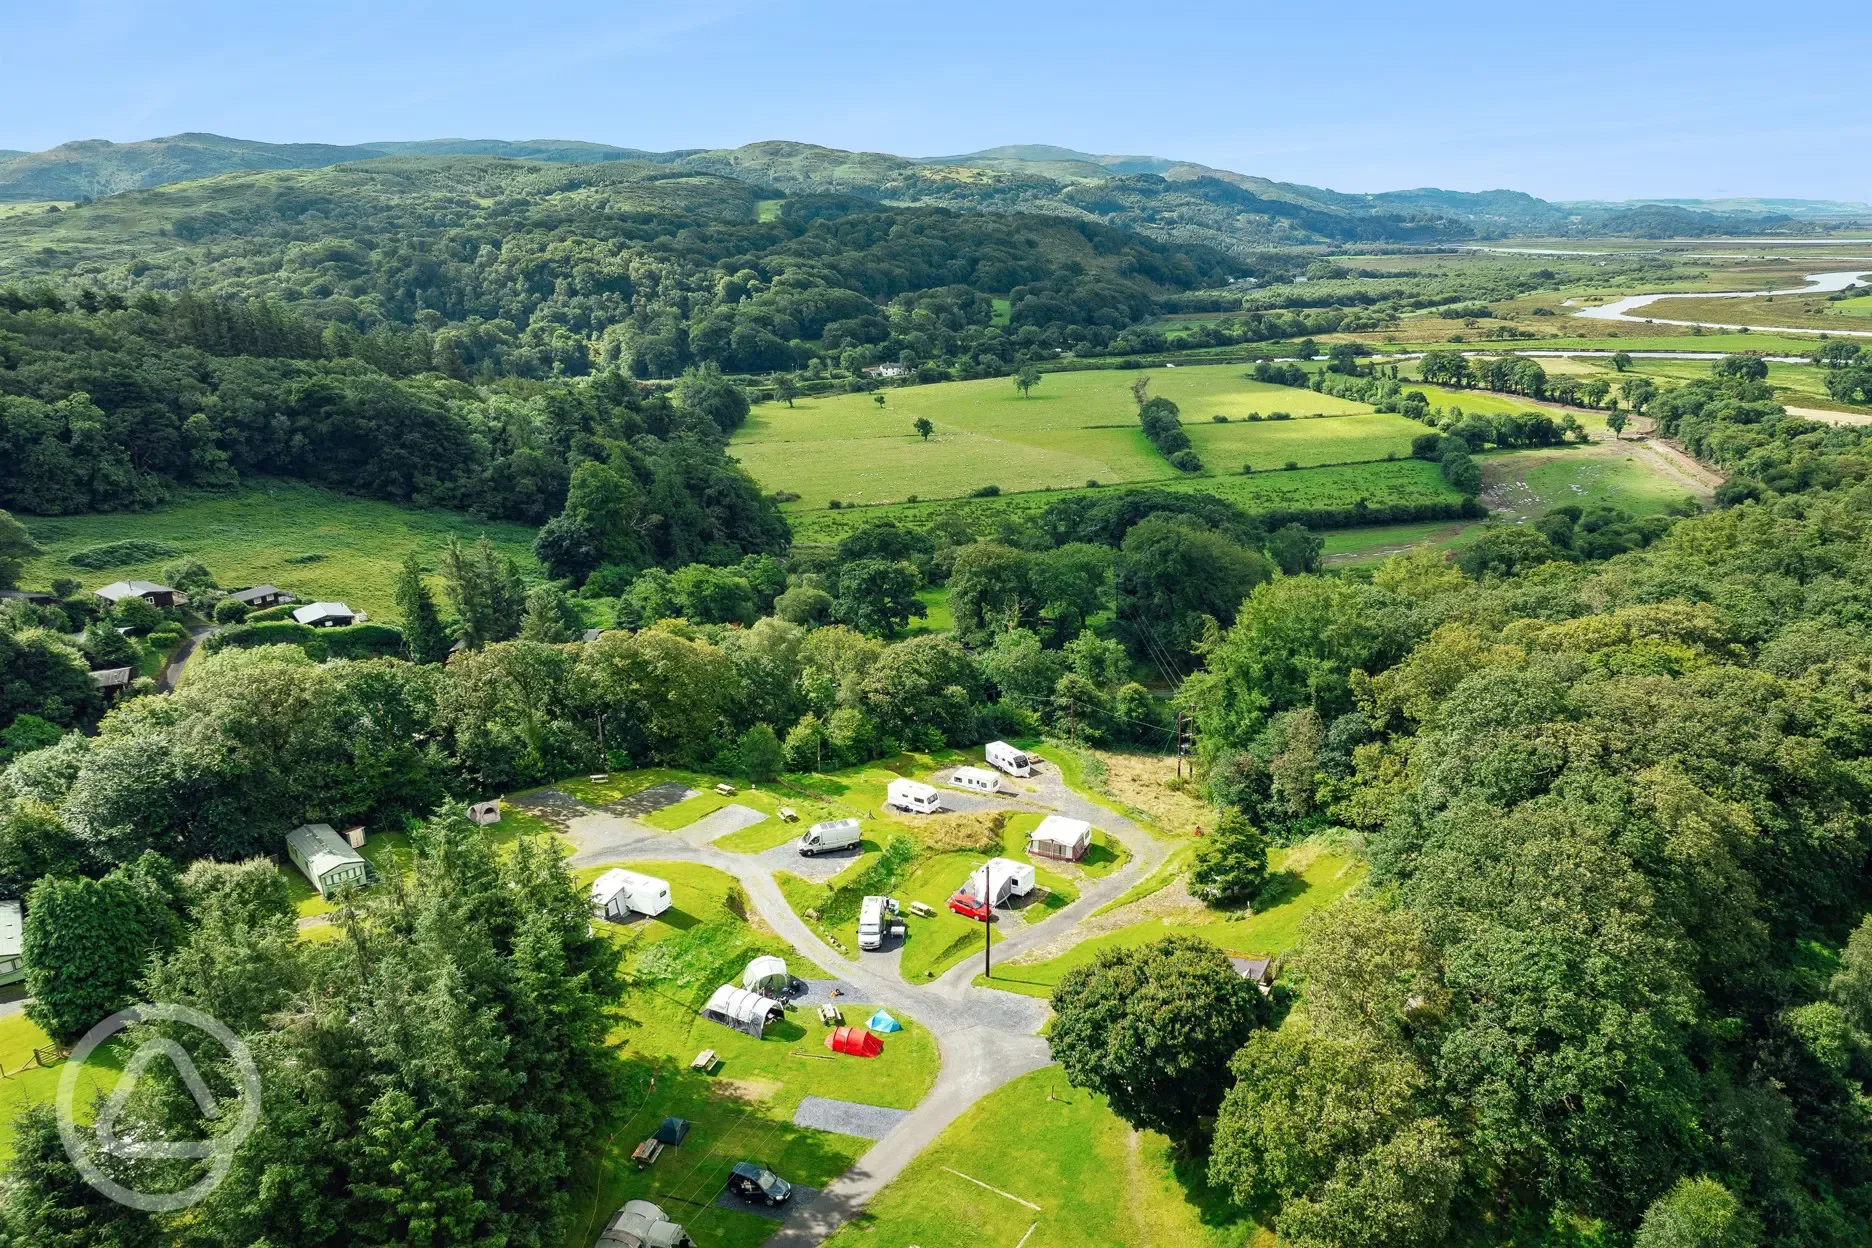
point(976, 780)
point(616, 893)
point(999, 879)
point(325, 859)
point(914, 797)
point(1061, 838)
point(12, 943)
point(833, 834)
point(1006, 758)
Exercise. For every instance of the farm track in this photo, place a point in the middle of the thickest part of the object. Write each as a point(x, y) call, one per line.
point(986, 1037)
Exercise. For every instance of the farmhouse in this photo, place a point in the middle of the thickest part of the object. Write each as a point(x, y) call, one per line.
point(325, 859)
point(888, 370)
point(12, 943)
point(155, 595)
point(742, 1010)
point(1060, 838)
point(259, 596)
point(324, 615)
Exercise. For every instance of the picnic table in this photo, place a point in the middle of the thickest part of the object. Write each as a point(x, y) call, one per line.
point(789, 815)
point(829, 1014)
point(921, 909)
point(646, 1153)
point(703, 1060)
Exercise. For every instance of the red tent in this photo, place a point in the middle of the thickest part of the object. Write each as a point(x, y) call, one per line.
point(855, 1041)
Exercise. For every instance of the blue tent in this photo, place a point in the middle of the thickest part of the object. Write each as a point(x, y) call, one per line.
point(882, 1021)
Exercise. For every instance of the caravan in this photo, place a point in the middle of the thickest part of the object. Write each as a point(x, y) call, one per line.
point(618, 892)
point(976, 780)
point(914, 797)
point(1015, 762)
point(999, 879)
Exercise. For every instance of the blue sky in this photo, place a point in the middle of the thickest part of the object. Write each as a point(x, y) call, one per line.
point(1583, 101)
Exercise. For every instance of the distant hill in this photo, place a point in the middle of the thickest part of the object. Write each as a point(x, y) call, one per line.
point(1171, 200)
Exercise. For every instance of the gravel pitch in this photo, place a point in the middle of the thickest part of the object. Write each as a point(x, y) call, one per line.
point(819, 991)
point(730, 818)
point(873, 1122)
point(802, 1196)
point(818, 868)
point(654, 798)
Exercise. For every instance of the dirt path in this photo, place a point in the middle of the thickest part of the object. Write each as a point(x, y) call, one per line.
point(1674, 461)
point(172, 674)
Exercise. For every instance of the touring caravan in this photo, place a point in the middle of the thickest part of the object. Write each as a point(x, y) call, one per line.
point(823, 838)
point(914, 797)
point(1006, 758)
point(999, 879)
point(616, 893)
point(976, 780)
point(874, 921)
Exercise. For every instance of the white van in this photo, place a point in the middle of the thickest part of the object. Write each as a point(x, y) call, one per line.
point(1007, 758)
point(823, 838)
point(618, 892)
point(874, 921)
point(976, 780)
point(1001, 878)
point(914, 797)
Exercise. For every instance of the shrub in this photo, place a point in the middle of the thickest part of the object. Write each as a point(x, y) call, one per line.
point(1219, 419)
point(1186, 461)
point(986, 491)
point(834, 505)
point(1247, 470)
point(116, 554)
point(230, 611)
point(1290, 465)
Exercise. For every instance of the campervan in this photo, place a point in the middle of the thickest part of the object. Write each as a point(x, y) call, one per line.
point(1015, 762)
point(976, 779)
point(616, 893)
point(911, 796)
point(823, 838)
point(874, 921)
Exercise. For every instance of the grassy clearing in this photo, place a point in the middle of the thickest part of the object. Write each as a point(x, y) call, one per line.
point(1400, 481)
point(940, 618)
point(743, 1109)
point(1304, 879)
point(1527, 484)
point(26, 1085)
point(1358, 545)
point(313, 542)
point(1094, 1182)
point(1268, 444)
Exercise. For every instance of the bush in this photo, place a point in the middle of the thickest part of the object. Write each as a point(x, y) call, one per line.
point(1219, 419)
point(1231, 864)
point(117, 554)
point(1186, 461)
point(986, 491)
point(230, 611)
point(1290, 465)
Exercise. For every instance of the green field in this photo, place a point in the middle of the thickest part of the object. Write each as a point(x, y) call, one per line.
point(1270, 444)
point(1073, 428)
point(1859, 305)
point(1529, 483)
point(1042, 1164)
point(309, 541)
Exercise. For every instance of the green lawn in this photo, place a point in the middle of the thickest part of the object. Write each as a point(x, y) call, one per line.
point(310, 541)
point(1073, 427)
point(1316, 440)
point(1042, 1164)
point(1304, 879)
point(742, 1110)
point(26, 1084)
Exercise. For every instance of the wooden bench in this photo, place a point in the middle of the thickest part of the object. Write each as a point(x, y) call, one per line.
point(704, 1061)
point(646, 1153)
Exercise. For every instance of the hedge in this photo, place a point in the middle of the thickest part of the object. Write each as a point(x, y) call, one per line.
point(358, 641)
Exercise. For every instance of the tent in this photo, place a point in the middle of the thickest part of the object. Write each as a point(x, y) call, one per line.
point(853, 1041)
point(673, 1130)
point(882, 1021)
point(740, 1009)
point(766, 974)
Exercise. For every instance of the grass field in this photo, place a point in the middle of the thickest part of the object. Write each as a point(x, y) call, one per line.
point(1269, 444)
point(1528, 483)
point(1302, 880)
point(26, 1084)
point(306, 540)
point(1042, 1164)
point(1073, 428)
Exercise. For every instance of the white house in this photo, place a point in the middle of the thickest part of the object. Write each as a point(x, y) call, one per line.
point(324, 615)
point(1061, 838)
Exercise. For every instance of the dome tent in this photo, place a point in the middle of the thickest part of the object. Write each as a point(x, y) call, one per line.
point(766, 974)
point(854, 1041)
point(883, 1022)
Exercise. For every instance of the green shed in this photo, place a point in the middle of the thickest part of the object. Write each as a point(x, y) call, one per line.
point(325, 859)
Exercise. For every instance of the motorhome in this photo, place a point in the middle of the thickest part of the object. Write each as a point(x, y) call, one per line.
point(914, 797)
point(833, 834)
point(976, 780)
point(616, 893)
point(1006, 758)
point(875, 915)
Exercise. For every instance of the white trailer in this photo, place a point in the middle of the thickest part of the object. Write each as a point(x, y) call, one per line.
point(616, 893)
point(1006, 758)
point(999, 879)
point(823, 838)
point(976, 780)
point(913, 796)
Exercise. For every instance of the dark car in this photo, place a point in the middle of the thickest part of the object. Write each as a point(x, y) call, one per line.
point(751, 1181)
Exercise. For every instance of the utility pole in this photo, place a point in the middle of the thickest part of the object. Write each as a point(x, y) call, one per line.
point(1179, 744)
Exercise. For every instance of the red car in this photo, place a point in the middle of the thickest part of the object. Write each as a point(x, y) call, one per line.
point(967, 905)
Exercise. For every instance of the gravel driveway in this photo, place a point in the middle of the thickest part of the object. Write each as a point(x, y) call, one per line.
point(873, 1122)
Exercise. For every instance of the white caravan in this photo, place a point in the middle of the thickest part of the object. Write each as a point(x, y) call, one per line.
point(913, 796)
point(1001, 878)
point(1015, 762)
point(976, 780)
point(616, 893)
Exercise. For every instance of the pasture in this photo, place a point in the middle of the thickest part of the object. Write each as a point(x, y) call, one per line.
point(313, 542)
point(1074, 427)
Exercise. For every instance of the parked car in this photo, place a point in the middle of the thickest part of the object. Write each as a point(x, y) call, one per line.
point(968, 905)
point(752, 1181)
